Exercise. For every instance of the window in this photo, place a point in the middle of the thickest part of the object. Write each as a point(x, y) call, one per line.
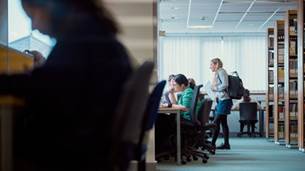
point(21, 36)
point(191, 56)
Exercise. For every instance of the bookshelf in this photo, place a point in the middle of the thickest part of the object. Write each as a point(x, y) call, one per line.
point(269, 121)
point(279, 119)
point(291, 79)
point(301, 83)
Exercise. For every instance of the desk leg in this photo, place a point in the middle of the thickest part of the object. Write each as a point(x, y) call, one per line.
point(261, 122)
point(178, 139)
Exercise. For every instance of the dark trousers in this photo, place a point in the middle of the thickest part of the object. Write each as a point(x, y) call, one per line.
point(221, 119)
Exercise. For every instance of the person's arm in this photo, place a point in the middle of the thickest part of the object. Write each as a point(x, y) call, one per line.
point(172, 97)
point(185, 102)
point(224, 82)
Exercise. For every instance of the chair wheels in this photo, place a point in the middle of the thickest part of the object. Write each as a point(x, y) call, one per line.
point(188, 159)
point(204, 161)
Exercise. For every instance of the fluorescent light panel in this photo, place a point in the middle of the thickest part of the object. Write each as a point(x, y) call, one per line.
point(269, 18)
point(245, 14)
point(201, 26)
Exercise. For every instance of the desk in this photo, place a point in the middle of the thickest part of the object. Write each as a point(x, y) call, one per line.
point(235, 117)
point(177, 112)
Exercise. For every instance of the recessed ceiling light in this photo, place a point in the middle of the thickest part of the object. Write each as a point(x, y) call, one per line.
point(174, 8)
point(200, 27)
point(203, 18)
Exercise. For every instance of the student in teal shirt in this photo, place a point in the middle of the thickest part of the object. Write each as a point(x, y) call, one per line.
point(184, 103)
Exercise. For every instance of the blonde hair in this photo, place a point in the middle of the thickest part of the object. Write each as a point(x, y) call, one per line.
point(217, 61)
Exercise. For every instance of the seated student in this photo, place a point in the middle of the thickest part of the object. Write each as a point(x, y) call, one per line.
point(165, 100)
point(184, 102)
point(165, 124)
point(245, 99)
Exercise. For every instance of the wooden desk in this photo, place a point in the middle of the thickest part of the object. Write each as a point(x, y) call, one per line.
point(7, 106)
point(177, 112)
point(260, 119)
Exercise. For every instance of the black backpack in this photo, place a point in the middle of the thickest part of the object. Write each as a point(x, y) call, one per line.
point(236, 88)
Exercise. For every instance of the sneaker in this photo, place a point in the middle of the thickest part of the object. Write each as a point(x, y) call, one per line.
point(224, 147)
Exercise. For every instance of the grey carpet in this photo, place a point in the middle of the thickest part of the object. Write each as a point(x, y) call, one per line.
point(247, 154)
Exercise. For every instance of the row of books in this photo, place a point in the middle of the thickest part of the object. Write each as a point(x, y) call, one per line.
point(271, 41)
point(293, 67)
point(293, 89)
point(270, 58)
point(293, 111)
point(281, 111)
point(281, 74)
point(270, 76)
point(281, 93)
point(293, 23)
point(281, 131)
point(271, 93)
point(293, 47)
point(280, 52)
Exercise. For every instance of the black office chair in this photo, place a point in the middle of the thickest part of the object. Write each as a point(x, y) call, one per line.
point(150, 116)
point(191, 132)
point(127, 122)
point(248, 116)
point(203, 117)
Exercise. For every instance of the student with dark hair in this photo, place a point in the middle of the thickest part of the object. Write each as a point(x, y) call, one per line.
point(184, 101)
point(72, 98)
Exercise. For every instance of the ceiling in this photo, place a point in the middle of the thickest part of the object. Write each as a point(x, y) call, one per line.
point(221, 16)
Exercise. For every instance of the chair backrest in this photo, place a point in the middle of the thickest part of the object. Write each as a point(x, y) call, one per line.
point(194, 103)
point(248, 111)
point(151, 113)
point(152, 107)
point(204, 111)
point(130, 109)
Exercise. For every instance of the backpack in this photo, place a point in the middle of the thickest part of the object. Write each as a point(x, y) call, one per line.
point(236, 88)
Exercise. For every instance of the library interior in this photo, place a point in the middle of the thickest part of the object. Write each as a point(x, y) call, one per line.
point(157, 85)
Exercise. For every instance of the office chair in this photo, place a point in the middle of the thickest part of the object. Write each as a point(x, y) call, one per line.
point(150, 116)
point(203, 117)
point(187, 130)
point(248, 116)
point(192, 132)
point(128, 118)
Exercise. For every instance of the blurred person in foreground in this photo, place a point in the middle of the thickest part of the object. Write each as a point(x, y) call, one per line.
point(71, 99)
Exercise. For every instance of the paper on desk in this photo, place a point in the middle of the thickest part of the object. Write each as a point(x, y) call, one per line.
point(208, 89)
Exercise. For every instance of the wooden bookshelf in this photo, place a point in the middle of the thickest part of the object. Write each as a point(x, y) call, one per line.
point(269, 121)
point(301, 84)
point(291, 79)
point(279, 119)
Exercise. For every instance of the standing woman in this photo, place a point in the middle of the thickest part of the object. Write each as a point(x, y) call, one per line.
point(224, 103)
point(72, 98)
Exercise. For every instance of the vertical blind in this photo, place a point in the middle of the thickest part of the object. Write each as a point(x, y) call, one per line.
point(191, 56)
